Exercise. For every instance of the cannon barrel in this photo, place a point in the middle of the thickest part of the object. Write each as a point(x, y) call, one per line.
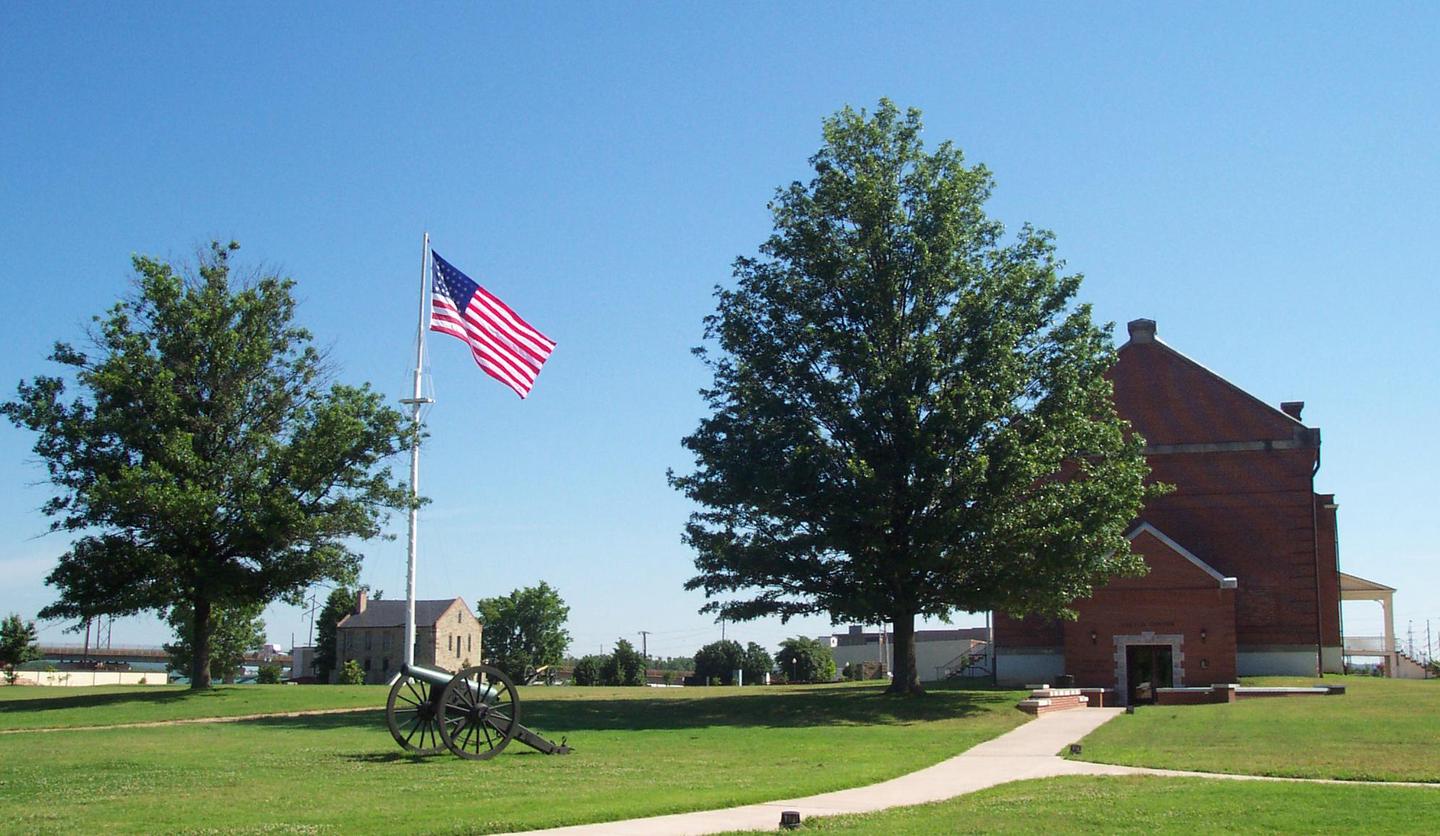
point(429, 675)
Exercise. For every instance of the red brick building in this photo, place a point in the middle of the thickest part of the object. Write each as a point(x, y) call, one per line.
point(1243, 556)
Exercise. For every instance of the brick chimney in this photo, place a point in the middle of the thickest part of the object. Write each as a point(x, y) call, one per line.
point(360, 602)
point(1292, 408)
point(1141, 330)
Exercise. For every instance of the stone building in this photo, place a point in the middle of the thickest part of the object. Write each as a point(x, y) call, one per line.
point(447, 636)
point(1244, 576)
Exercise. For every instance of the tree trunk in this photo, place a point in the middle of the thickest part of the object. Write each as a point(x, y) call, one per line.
point(906, 677)
point(200, 646)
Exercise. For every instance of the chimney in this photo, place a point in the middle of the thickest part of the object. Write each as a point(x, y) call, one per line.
point(360, 602)
point(1292, 408)
point(1142, 330)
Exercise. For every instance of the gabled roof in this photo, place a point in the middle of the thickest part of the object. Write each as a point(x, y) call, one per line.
point(392, 613)
point(1171, 398)
point(1354, 583)
point(1147, 528)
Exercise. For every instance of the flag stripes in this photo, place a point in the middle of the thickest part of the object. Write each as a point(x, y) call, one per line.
point(503, 344)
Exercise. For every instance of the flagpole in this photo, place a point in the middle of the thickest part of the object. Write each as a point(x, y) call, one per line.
point(415, 401)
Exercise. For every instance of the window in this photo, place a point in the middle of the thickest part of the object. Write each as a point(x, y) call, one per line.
point(459, 618)
point(367, 664)
point(469, 642)
point(450, 643)
point(385, 640)
point(367, 639)
point(385, 664)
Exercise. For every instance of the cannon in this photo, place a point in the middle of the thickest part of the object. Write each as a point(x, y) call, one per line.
point(474, 713)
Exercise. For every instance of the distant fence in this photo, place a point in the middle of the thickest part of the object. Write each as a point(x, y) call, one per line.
point(87, 678)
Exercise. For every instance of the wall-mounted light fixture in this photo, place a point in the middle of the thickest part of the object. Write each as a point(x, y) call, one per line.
point(1203, 634)
point(1093, 636)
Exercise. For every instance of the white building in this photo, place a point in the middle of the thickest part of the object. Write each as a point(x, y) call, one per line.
point(938, 653)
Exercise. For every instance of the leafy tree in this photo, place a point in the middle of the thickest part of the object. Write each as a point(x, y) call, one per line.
point(673, 663)
point(351, 673)
point(804, 659)
point(623, 667)
point(209, 461)
point(588, 670)
point(909, 415)
point(340, 604)
point(268, 674)
point(235, 631)
point(718, 661)
point(525, 630)
point(756, 663)
point(17, 645)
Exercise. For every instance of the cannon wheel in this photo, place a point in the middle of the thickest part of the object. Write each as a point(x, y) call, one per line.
point(479, 713)
point(413, 718)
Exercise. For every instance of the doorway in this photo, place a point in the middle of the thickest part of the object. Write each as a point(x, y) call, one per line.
point(1149, 667)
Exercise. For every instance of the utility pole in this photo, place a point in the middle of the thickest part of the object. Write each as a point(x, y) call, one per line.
point(645, 647)
point(311, 612)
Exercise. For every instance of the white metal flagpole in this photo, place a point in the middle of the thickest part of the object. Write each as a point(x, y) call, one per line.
point(415, 401)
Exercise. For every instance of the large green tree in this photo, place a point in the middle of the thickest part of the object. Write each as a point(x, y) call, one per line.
point(623, 667)
point(340, 603)
point(209, 459)
point(909, 414)
point(17, 645)
point(234, 632)
point(525, 630)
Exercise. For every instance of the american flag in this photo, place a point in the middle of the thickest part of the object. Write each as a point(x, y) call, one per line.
point(507, 347)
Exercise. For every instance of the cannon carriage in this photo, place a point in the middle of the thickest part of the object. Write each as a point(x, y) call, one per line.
point(474, 713)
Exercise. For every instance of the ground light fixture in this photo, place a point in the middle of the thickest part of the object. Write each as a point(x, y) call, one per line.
point(790, 819)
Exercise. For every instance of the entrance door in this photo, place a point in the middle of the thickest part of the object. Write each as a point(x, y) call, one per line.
point(1149, 667)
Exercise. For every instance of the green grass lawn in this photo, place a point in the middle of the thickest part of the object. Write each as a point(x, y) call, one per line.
point(1379, 730)
point(30, 707)
point(638, 752)
point(1146, 804)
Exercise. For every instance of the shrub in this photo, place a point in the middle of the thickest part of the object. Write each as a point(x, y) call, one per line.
point(268, 675)
point(352, 674)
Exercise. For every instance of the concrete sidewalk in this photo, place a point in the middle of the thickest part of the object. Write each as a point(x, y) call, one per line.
point(1027, 752)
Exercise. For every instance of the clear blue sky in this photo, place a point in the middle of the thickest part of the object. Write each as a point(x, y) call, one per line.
point(1261, 181)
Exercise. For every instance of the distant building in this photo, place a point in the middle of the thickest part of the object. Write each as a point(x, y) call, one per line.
point(302, 663)
point(938, 653)
point(447, 636)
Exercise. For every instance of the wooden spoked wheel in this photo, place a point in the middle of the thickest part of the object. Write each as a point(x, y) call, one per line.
point(413, 717)
point(479, 713)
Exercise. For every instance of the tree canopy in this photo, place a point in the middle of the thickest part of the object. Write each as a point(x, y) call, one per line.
point(209, 459)
point(525, 630)
point(339, 603)
point(909, 412)
point(804, 659)
point(17, 645)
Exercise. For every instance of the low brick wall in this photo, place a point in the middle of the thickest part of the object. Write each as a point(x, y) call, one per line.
point(1044, 700)
point(1099, 697)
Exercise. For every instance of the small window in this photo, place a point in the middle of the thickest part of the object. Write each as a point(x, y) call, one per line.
point(385, 664)
point(385, 641)
point(450, 643)
point(469, 642)
point(367, 664)
point(367, 640)
point(459, 618)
